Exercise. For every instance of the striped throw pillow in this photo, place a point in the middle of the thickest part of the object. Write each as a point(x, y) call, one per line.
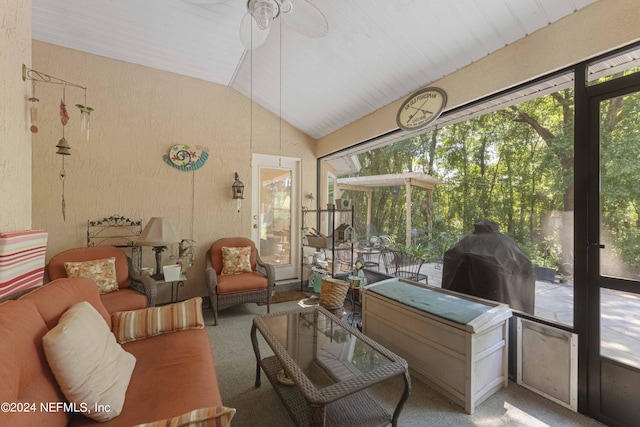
point(148, 322)
point(215, 416)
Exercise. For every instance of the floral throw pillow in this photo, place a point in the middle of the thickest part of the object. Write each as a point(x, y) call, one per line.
point(101, 271)
point(236, 260)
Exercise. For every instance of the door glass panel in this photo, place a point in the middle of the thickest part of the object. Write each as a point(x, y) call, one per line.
point(620, 326)
point(275, 215)
point(620, 187)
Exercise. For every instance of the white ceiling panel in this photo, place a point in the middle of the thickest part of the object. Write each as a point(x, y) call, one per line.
point(376, 51)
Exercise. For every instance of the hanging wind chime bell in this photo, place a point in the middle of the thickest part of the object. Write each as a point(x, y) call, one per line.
point(63, 147)
point(33, 110)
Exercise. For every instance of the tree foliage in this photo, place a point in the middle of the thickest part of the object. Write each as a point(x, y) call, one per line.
point(513, 166)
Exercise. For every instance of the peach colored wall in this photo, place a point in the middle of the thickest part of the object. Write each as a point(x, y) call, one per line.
point(140, 113)
point(598, 28)
point(15, 138)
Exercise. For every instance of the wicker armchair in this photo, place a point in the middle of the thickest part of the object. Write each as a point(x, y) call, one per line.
point(132, 286)
point(226, 290)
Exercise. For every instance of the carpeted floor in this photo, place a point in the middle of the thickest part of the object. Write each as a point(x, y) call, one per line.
point(286, 296)
point(261, 407)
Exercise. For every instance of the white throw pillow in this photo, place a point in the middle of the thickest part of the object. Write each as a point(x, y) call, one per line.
point(91, 368)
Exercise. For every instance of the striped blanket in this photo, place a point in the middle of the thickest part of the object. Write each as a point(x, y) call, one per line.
point(21, 260)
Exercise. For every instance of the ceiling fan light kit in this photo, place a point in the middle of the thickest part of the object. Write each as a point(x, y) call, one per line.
point(263, 11)
point(308, 20)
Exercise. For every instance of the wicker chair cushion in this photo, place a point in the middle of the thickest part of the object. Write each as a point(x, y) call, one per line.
point(241, 282)
point(56, 270)
point(236, 260)
point(101, 271)
point(216, 250)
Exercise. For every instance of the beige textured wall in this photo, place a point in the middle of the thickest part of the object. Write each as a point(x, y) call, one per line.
point(598, 28)
point(140, 113)
point(15, 138)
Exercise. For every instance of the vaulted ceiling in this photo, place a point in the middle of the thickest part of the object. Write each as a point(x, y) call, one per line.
point(375, 52)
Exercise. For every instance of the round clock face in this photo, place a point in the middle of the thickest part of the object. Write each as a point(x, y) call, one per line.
point(421, 108)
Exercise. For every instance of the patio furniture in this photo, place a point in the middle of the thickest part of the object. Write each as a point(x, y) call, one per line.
point(232, 286)
point(404, 266)
point(321, 369)
point(133, 289)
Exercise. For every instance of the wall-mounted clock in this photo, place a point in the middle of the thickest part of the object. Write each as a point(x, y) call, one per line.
point(421, 108)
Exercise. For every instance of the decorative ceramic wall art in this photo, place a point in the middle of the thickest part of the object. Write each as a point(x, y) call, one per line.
point(186, 158)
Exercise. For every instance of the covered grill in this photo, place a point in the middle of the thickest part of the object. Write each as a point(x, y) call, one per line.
point(490, 265)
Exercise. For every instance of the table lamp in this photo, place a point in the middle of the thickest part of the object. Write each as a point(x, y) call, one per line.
point(159, 232)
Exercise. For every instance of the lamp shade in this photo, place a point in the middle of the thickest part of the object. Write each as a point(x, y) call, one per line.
point(159, 231)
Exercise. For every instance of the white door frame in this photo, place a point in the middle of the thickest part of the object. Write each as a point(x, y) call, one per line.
point(289, 271)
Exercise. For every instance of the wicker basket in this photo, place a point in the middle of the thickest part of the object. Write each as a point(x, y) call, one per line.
point(333, 292)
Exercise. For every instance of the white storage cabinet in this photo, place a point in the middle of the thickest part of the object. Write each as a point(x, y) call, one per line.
point(455, 343)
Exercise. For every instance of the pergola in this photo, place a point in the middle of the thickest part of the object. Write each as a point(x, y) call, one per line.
point(408, 180)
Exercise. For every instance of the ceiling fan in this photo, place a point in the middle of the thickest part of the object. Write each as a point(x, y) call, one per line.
point(301, 15)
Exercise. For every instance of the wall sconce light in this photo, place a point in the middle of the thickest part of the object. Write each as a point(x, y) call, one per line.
point(238, 191)
point(310, 197)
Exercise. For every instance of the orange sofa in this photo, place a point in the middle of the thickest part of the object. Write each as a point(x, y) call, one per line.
point(174, 372)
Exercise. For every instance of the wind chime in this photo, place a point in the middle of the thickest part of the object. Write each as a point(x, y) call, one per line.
point(64, 149)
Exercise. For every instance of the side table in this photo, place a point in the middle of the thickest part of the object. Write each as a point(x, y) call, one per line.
point(175, 285)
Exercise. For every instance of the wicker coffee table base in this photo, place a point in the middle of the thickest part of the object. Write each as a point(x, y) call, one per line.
point(344, 404)
point(356, 409)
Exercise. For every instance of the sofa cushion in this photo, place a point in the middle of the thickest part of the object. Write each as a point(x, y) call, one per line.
point(236, 260)
point(24, 373)
point(216, 416)
point(55, 298)
point(174, 374)
point(147, 322)
point(101, 271)
point(241, 282)
point(91, 368)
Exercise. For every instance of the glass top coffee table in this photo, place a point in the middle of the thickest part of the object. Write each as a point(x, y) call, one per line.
point(321, 368)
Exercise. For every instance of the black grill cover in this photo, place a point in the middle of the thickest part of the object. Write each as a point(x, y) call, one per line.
point(490, 265)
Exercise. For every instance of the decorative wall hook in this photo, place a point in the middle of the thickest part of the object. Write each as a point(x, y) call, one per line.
point(38, 76)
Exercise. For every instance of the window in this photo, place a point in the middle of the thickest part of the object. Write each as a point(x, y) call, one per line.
point(510, 161)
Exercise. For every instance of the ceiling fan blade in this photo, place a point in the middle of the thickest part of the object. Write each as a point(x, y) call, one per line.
point(306, 19)
point(251, 35)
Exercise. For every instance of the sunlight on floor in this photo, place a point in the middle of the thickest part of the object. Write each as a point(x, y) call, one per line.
point(515, 416)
